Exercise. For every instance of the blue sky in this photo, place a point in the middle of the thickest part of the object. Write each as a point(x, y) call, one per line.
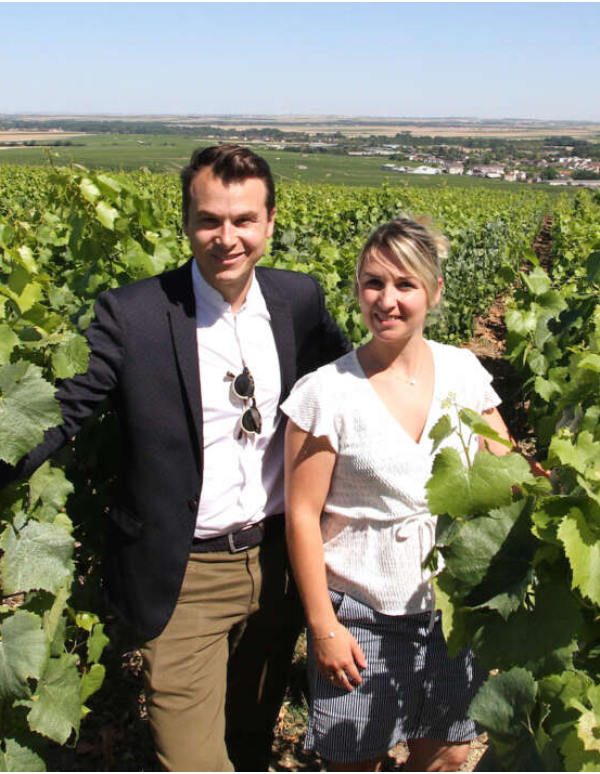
point(491, 60)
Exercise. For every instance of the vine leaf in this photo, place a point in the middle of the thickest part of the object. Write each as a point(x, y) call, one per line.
point(106, 215)
point(505, 702)
point(8, 341)
point(21, 755)
point(588, 730)
point(440, 431)
point(89, 190)
point(38, 557)
point(582, 455)
point(453, 622)
point(576, 757)
point(529, 637)
point(55, 707)
point(477, 424)
point(582, 547)
point(492, 548)
point(27, 408)
point(55, 622)
point(23, 653)
point(460, 492)
point(71, 356)
point(50, 486)
point(92, 681)
point(96, 642)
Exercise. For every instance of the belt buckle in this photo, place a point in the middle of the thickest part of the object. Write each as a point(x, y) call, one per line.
point(232, 546)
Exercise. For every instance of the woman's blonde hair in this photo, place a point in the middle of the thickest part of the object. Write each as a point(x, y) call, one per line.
point(415, 244)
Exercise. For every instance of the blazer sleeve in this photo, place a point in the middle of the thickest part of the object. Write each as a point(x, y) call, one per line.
point(80, 395)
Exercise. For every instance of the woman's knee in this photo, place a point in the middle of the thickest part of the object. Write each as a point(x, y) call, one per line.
point(436, 755)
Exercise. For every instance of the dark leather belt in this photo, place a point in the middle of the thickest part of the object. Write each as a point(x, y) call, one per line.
point(241, 539)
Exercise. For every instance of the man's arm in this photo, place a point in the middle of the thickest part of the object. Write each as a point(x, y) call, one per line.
point(80, 395)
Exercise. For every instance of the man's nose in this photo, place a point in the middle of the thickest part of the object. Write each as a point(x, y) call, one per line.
point(227, 235)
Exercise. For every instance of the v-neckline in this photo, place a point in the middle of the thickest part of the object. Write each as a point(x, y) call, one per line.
point(381, 402)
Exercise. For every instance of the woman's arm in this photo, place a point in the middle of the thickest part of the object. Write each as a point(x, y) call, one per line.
point(309, 464)
point(495, 421)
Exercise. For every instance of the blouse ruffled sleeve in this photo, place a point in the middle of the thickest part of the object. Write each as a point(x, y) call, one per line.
point(485, 396)
point(310, 405)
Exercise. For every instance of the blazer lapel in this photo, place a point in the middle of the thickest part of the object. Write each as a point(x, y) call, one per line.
point(283, 333)
point(182, 319)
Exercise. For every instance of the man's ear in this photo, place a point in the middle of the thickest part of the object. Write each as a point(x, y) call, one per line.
point(184, 224)
point(271, 222)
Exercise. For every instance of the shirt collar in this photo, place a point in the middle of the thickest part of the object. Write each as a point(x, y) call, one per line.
point(206, 294)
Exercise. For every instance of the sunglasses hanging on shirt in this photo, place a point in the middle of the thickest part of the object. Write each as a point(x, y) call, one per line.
point(243, 387)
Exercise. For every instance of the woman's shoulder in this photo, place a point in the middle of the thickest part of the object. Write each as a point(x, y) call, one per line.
point(451, 356)
point(326, 388)
point(460, 372)
point(335, 373)
point(451, 351)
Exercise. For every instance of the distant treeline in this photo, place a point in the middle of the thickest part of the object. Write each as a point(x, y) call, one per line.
point(300, 140)
point(134, 127)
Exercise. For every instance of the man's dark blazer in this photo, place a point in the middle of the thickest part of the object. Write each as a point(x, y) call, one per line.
point(144, 356)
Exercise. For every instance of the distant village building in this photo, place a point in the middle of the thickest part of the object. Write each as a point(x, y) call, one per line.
point(425, 170)
point(394, 168)
point(493, 171)
point(455, 168)
point(516, 176)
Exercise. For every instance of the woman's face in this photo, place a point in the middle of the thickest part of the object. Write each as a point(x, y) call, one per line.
point(393, 301)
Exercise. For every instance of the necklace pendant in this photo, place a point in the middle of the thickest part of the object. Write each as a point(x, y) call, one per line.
point(412, 382)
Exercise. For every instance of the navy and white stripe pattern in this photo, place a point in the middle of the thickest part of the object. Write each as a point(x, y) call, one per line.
point(411, 688)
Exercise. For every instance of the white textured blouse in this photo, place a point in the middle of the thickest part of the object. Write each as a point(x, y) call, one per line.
point(375, 525)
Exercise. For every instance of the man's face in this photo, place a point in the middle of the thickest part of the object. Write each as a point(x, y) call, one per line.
point(228, 227)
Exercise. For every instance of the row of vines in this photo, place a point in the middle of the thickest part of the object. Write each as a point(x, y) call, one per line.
point(68, 234)
point(521, 582)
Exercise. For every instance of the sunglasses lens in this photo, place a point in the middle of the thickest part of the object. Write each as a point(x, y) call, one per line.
point(243, 385)
point(251, 420)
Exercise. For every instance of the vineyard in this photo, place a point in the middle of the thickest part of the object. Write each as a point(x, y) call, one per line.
point(521, 577)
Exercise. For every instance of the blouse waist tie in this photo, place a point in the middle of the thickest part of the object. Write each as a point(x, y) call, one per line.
point(423, 523)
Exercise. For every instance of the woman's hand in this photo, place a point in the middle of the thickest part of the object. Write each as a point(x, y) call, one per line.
point(339, 658)
point(537, 470)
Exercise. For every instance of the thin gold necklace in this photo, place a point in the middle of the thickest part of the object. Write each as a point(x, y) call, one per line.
point(412, 381)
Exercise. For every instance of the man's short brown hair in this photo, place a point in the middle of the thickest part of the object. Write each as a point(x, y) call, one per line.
point(231, 164)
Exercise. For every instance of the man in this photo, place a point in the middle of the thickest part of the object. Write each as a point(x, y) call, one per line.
point(197, 361)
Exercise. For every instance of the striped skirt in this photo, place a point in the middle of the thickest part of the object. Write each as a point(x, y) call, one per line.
point(410, 689)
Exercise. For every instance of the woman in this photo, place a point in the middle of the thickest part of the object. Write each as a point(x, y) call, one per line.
point(358, 457)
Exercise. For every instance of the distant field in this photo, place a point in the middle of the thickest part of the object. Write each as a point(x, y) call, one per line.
point(168, 153)
point(26, 136)
point(353, 126)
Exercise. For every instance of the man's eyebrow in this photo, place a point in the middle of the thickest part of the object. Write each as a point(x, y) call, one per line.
point(236, 216)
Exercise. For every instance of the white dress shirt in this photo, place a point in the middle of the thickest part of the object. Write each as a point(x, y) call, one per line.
point(243, 477)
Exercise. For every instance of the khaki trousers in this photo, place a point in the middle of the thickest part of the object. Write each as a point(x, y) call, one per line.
point(220, 668)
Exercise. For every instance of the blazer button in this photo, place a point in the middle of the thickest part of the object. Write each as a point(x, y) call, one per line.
point(193, 504)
